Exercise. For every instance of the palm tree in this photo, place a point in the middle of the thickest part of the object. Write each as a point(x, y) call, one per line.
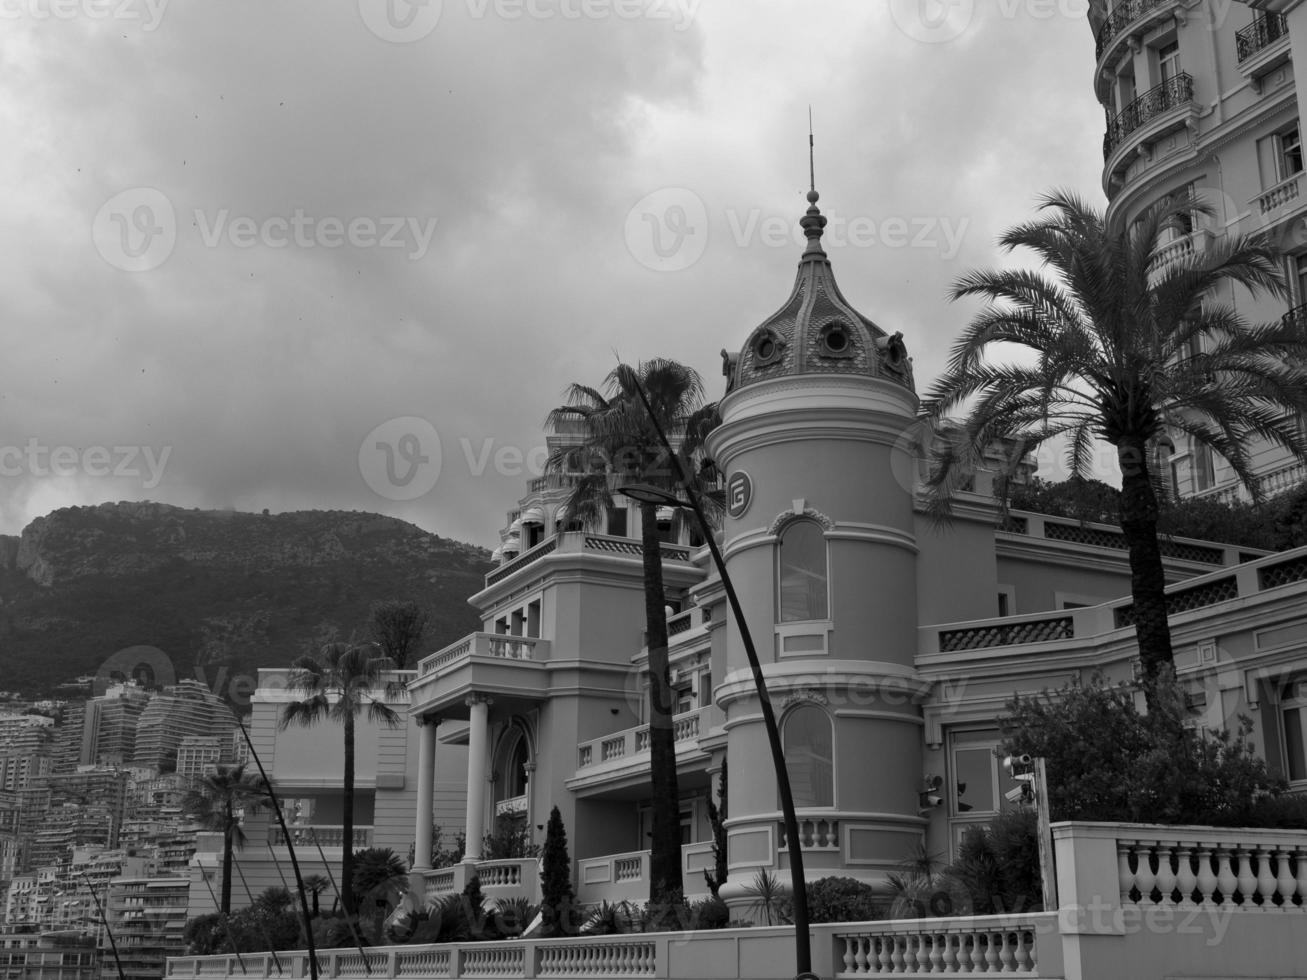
point(339, 685)
point(315, 885)
point(619, 444)
point(215, 805)
point(381, 875)
point(1121, 344)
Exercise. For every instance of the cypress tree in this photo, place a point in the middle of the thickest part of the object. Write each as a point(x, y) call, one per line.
point(559, 901)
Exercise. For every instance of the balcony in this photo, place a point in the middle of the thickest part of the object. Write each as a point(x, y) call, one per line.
point(1124, 15)
point(495, 646)
point(328, 835)
point(632, 746)
point(1281, 200)
point(1146, 112)
point(499, 879)
point(1253, 43)
point(1184, 249)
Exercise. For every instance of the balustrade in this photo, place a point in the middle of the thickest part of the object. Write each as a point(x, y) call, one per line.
point(932, 951)
point(1267, 873)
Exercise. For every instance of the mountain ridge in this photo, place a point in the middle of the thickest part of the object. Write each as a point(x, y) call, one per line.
point(215, 589)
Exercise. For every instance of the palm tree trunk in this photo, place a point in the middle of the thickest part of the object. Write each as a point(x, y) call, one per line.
point(228, 846)
point(347, 821)
point(1147, 575)
point(665, 848)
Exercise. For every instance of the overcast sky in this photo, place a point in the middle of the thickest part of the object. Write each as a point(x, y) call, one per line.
point(348, 253)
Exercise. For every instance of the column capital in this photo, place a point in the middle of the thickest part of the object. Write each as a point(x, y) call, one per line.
point(472, 700)
point(425, 720)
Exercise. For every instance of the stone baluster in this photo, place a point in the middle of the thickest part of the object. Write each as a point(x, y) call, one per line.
point(1285, 884)
point(1145, 877)
point(1123, 870)
point(1185, 879)
point(1226, 880)
point(1166, 876)
point(885, 953)
point(1247, 880)
point(1266, 883)
point(1206, 876)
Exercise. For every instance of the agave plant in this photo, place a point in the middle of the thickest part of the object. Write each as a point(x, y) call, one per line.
point(770, 903)
point(612, 918)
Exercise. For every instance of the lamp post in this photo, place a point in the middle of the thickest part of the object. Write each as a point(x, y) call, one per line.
point(644, 493)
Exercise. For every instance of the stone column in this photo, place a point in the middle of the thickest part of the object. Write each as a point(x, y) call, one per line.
point(477, 741)
point(426, 790)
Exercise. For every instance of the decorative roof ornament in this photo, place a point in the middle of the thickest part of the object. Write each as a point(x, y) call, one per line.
point(817, 331)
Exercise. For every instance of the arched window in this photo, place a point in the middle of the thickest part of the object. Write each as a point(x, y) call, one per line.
point(801, 573)
point(809, 742)
point(510, 776)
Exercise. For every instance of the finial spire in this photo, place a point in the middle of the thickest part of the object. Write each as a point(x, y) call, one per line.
point(813, 221)
point(812, 170)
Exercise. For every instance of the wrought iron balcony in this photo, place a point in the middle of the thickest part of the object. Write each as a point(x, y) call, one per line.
point(1261, 32)
point(1121, 17)
point(1159, 99)
point(1297, 317)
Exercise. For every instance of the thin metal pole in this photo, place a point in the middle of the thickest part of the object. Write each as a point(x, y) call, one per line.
point(235, 948)
point(104, 917)
point(290, 848)
point(802, 941)
point(262, 928)
point(358, 943)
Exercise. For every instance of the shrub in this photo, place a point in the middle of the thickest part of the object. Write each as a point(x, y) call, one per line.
point(1108, 761)
point(510, 839)
point(611, 919)
point(840, 900)
point(997, 870)
point(558, 901)
point(710, 913)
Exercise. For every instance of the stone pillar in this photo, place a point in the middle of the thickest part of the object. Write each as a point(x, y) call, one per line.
point(478, 739)
point(426, 789)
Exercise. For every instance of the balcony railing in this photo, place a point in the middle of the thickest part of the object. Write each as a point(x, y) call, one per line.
point(328, 835)
point(501, 646)
point(1121, 17)
point(1282, 193)
point(1296, 317)
point(1262, 32)
point(687, 727)
point(1158, 100)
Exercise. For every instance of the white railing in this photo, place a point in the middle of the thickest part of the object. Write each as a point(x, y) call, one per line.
point(815, 834)
point(618, 877)
point(1281, 193)
point(973, 945)
point(1251, 870)
point(328, 835)
point(514, 804)
point(498, 646)
point(500, 878)
point(687, 728)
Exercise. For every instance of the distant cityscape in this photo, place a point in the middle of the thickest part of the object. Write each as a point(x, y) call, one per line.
point(92, 825)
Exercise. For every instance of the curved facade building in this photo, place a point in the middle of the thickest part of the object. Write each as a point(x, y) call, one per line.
point(1201, 98)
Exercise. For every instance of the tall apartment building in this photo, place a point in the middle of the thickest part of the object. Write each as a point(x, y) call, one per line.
point(65, 955)
point(182, 710)
point(147, 916)
point(25, 749)
point(109, 732)
point(1202, 99)
point(66, 747)
point(199, 756)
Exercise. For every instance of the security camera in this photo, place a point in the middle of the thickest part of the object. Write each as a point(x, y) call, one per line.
point(1016, 795)
point(1013, 761)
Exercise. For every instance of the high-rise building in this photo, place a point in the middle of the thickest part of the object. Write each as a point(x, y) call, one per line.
point(61, 955)
point(148, 917)
point(185, 709)
point(109, 733)
point(199, 755)
point(1202, 100)
point(25, 749)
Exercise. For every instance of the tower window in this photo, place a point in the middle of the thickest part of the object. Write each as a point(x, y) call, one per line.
point(801, 573)
point(767, 348)
point(835, 340)
point(810, 756)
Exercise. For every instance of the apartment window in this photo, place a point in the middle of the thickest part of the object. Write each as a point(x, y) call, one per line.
point(1293, 718)
point(1181, 224)
point(1168, 61)
point(809, 741)
point(801, 572)
point(979, 779)
point(1289, 152)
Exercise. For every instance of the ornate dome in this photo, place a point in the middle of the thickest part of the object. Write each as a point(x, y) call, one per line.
point(817, 331)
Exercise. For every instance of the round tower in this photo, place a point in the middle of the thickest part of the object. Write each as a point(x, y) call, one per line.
point(819, 542)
